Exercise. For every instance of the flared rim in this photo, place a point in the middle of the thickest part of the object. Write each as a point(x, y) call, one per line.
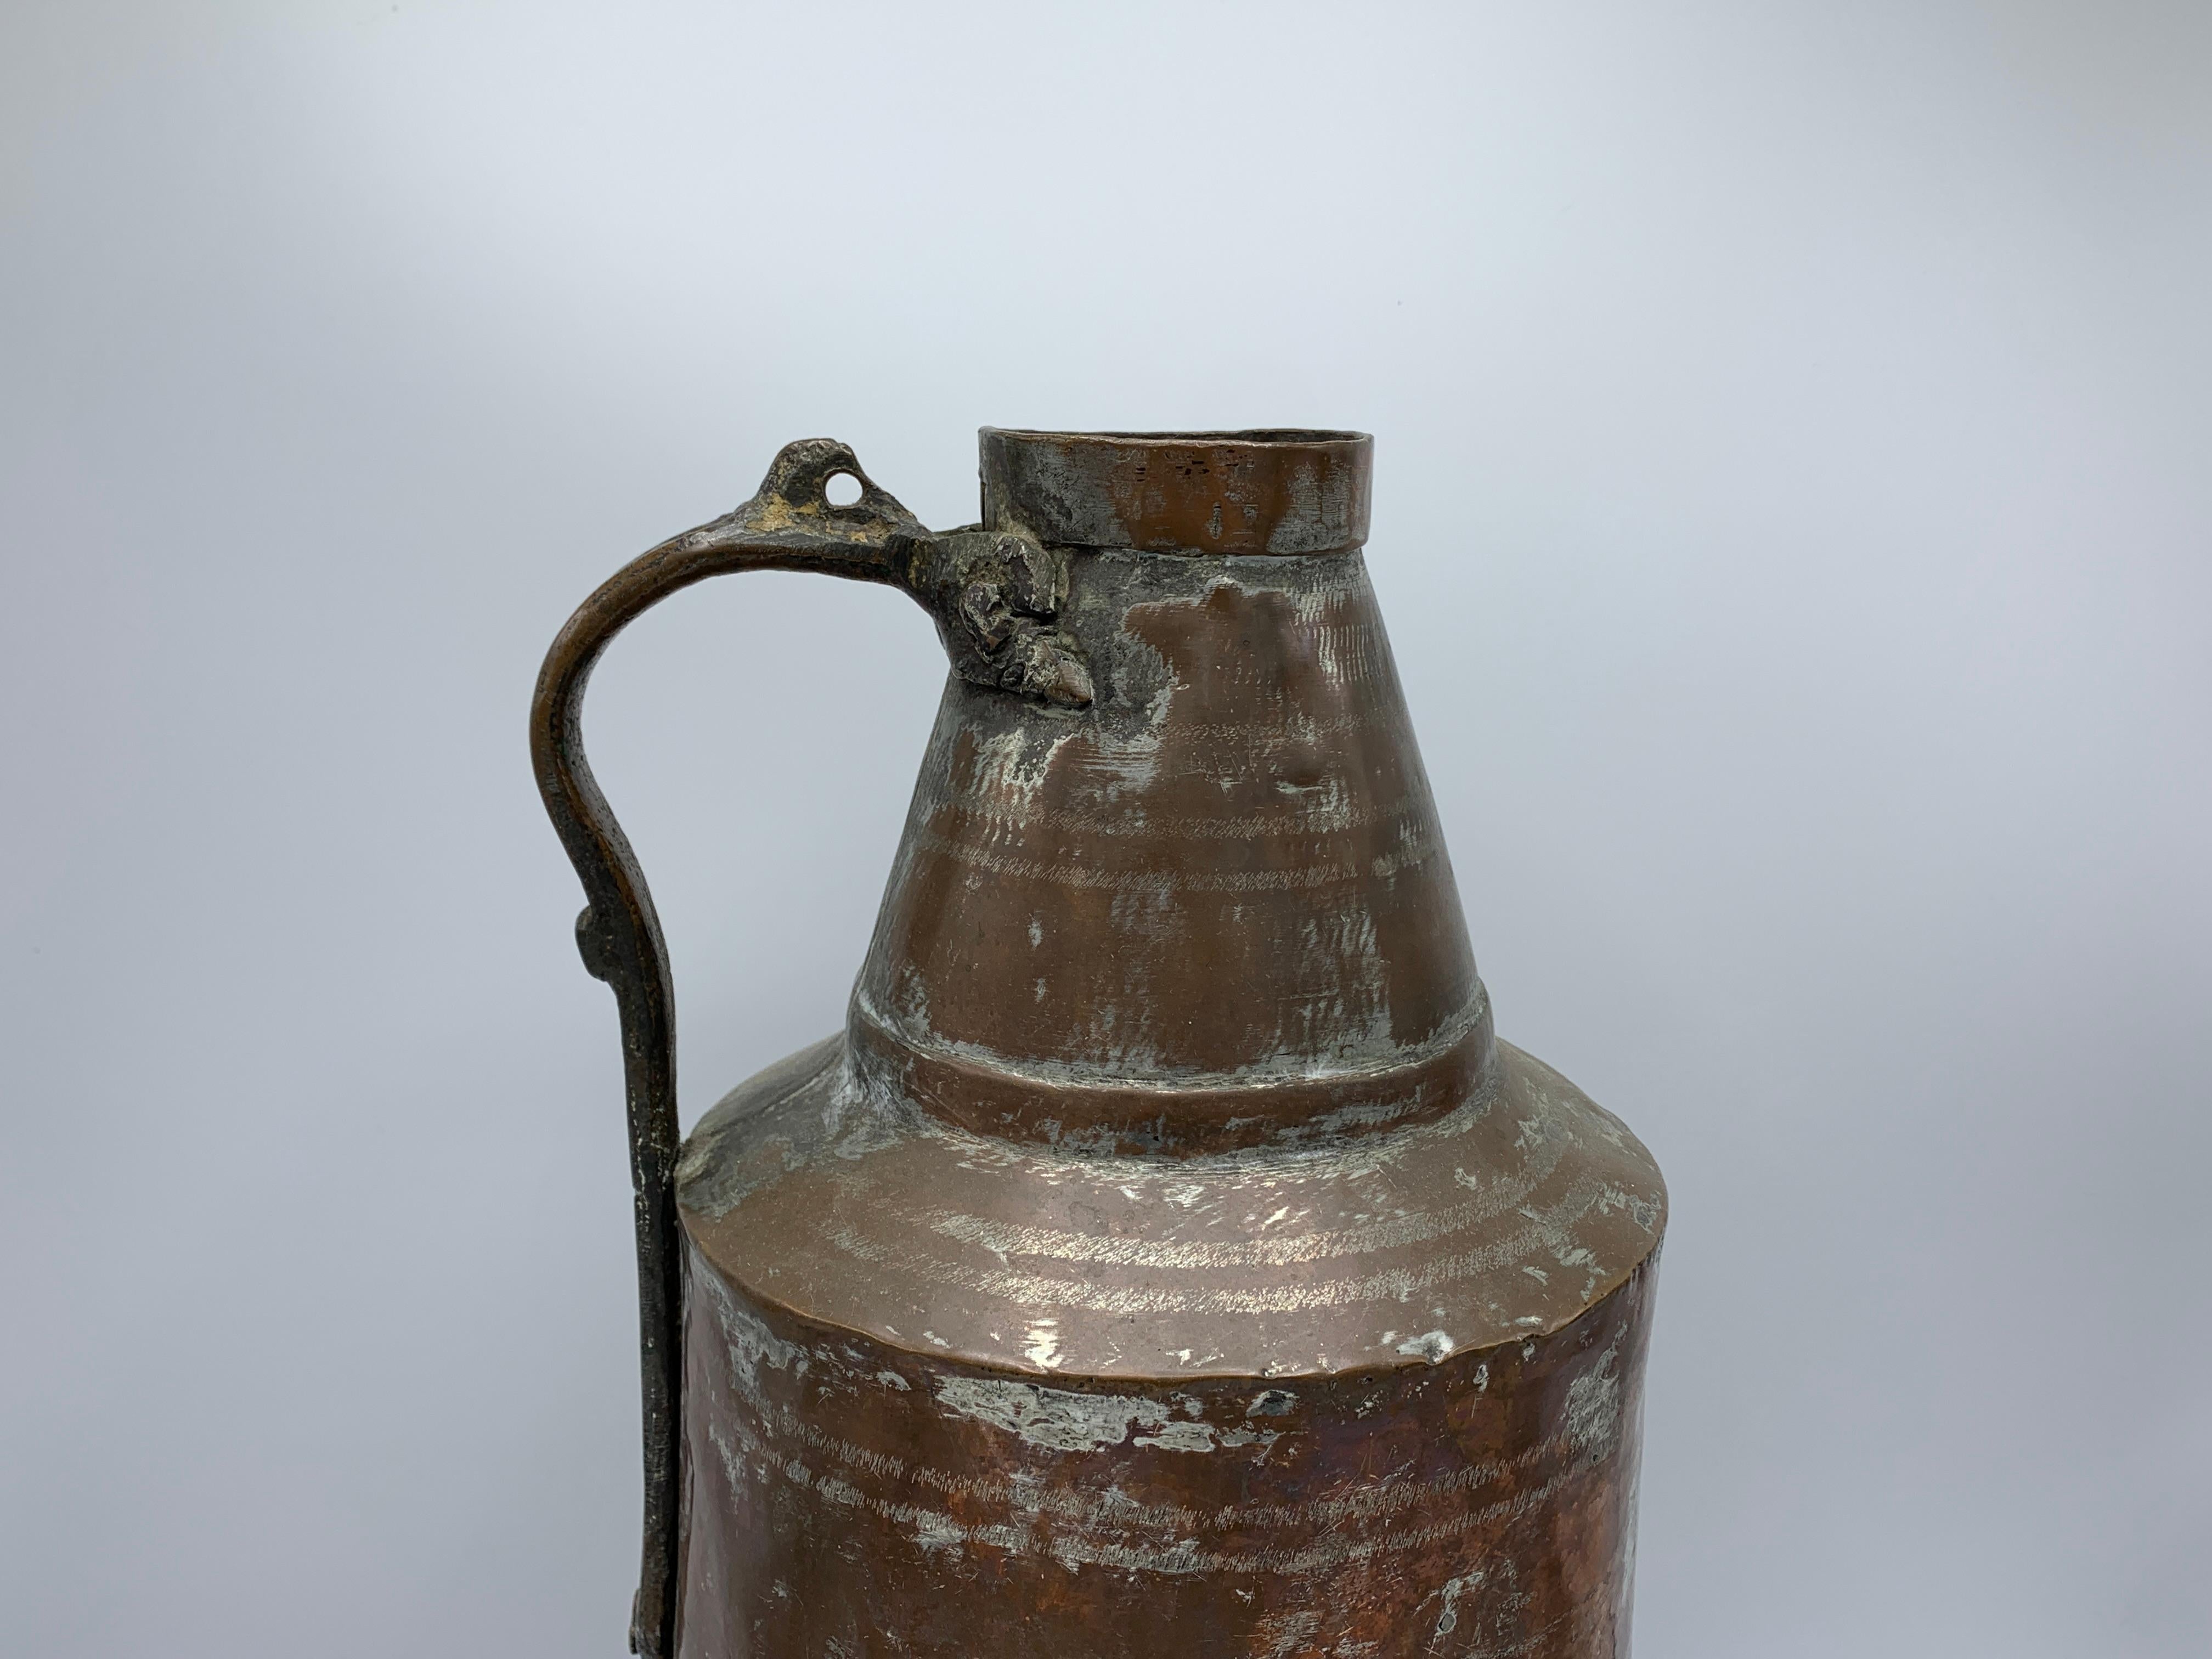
point(1280, 490)
point(1271, 437)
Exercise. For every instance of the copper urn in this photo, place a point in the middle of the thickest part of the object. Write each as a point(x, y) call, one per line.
point(1166, 1258)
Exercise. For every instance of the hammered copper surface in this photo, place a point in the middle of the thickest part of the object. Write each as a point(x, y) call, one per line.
point(1166, 1258)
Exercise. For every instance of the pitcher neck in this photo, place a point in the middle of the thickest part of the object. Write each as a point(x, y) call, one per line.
point(1214, 909)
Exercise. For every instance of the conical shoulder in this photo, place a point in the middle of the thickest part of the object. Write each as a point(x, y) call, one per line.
point(1214, 906)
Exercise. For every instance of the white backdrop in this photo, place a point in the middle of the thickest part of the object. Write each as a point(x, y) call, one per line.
point(1793, 516)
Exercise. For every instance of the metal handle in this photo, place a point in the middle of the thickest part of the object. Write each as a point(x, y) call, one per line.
point(994, 597)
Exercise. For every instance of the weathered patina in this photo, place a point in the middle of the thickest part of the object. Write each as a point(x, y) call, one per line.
point(1166, 1256)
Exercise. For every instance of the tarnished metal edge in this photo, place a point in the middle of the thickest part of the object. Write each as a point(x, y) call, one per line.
point(1285, 1103)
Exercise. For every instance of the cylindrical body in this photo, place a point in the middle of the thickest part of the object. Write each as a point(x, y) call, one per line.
point(1167, 1258)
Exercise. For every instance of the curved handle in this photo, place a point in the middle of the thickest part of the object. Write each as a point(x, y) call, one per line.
point(994, 597)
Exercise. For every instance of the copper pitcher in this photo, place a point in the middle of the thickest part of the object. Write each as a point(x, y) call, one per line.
point(1166, 1258)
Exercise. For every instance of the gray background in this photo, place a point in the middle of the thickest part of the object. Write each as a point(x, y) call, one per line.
point(1792, 515)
